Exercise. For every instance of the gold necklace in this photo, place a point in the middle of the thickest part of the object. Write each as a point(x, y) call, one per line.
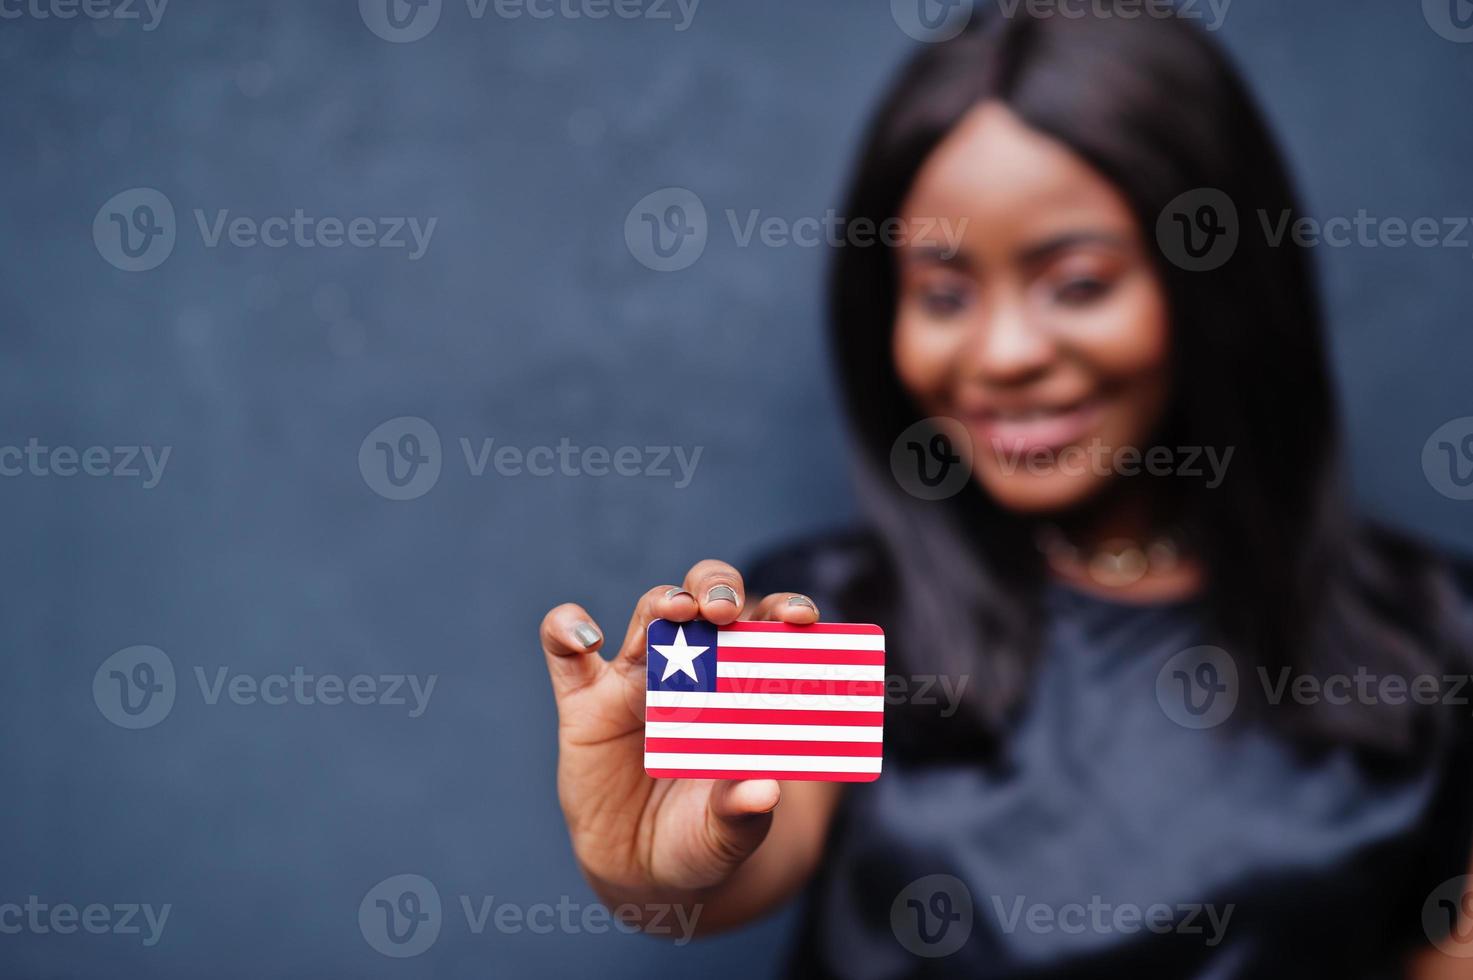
point(1115, 564)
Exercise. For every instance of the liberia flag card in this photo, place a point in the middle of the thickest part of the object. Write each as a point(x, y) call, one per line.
point(764, 701)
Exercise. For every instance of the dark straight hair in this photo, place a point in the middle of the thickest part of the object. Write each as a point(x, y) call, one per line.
point(1293, 581)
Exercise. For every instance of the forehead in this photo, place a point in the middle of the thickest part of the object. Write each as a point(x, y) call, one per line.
point(1013, 179)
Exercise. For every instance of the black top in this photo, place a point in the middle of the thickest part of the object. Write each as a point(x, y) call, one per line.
point(1119, 830)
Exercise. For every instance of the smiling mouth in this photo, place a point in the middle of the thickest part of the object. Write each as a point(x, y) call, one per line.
point(1037, 427)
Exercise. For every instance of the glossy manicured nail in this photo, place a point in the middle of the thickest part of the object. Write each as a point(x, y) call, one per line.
point(587, 634)
point(722, 592)
point(802, 600)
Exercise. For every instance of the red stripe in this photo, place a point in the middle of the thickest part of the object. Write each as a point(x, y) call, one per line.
point(774, 655)
point(797, 685)
point(828, 777)
point(764, 716)
point(760, 746)
point(861, 629)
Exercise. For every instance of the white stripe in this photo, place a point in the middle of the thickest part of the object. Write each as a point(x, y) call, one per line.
point(797, 733)
point(801, 641)
point(763, 699)
point(778, 763)
point(823, 672)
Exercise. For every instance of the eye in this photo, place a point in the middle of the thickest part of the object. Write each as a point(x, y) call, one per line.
point(942, 301)
point(1081, 291)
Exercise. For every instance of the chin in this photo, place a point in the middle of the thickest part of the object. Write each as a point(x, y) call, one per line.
point(1039, 495)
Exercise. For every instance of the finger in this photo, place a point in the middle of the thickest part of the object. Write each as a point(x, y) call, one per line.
point(571, 639)
point(787, 607)
point(719, 590)
point(661, 602)
point(740, 815)
point(675, 604)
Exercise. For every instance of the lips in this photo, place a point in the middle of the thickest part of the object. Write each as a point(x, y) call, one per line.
point(1037, 427)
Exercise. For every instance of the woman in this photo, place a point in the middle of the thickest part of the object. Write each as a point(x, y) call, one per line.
point(1087, 810)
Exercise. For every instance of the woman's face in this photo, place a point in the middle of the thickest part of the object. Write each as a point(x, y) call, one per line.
point(1045, 332)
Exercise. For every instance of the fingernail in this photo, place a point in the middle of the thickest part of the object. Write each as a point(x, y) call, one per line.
point(676, 592)
point(587, 634)
point(720, 592)
point(802, 600)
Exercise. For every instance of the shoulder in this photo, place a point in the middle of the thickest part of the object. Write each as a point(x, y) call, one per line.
point(1398, 557)
point(834, 567)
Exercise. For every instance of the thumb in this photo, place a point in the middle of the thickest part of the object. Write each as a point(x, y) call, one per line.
point(571, 639)
point(739, 816)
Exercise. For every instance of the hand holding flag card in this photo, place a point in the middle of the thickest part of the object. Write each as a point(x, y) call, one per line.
point(764, 701)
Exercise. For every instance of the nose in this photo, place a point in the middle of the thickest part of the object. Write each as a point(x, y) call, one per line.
point(1008, 346)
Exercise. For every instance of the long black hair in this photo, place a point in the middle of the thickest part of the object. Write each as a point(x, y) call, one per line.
point(1293, 579)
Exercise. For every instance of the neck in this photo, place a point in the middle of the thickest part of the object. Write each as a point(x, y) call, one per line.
point(1128, 522)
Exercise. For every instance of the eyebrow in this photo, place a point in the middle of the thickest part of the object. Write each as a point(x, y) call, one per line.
point(1030, 255)
point(935, 255)
point(1073, 239)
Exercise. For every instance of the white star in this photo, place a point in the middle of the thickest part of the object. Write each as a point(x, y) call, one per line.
point(679, 656)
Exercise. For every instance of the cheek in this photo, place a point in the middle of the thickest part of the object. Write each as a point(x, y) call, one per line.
point(924, 359)
point(1129, 345)
point(1130, 337)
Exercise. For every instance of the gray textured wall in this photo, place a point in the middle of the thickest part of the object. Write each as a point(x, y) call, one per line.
point(528, 320)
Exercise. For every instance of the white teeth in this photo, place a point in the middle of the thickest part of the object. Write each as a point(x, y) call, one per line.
point(1030, 415)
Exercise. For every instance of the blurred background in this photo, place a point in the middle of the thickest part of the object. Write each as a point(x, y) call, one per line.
point(280, 280)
